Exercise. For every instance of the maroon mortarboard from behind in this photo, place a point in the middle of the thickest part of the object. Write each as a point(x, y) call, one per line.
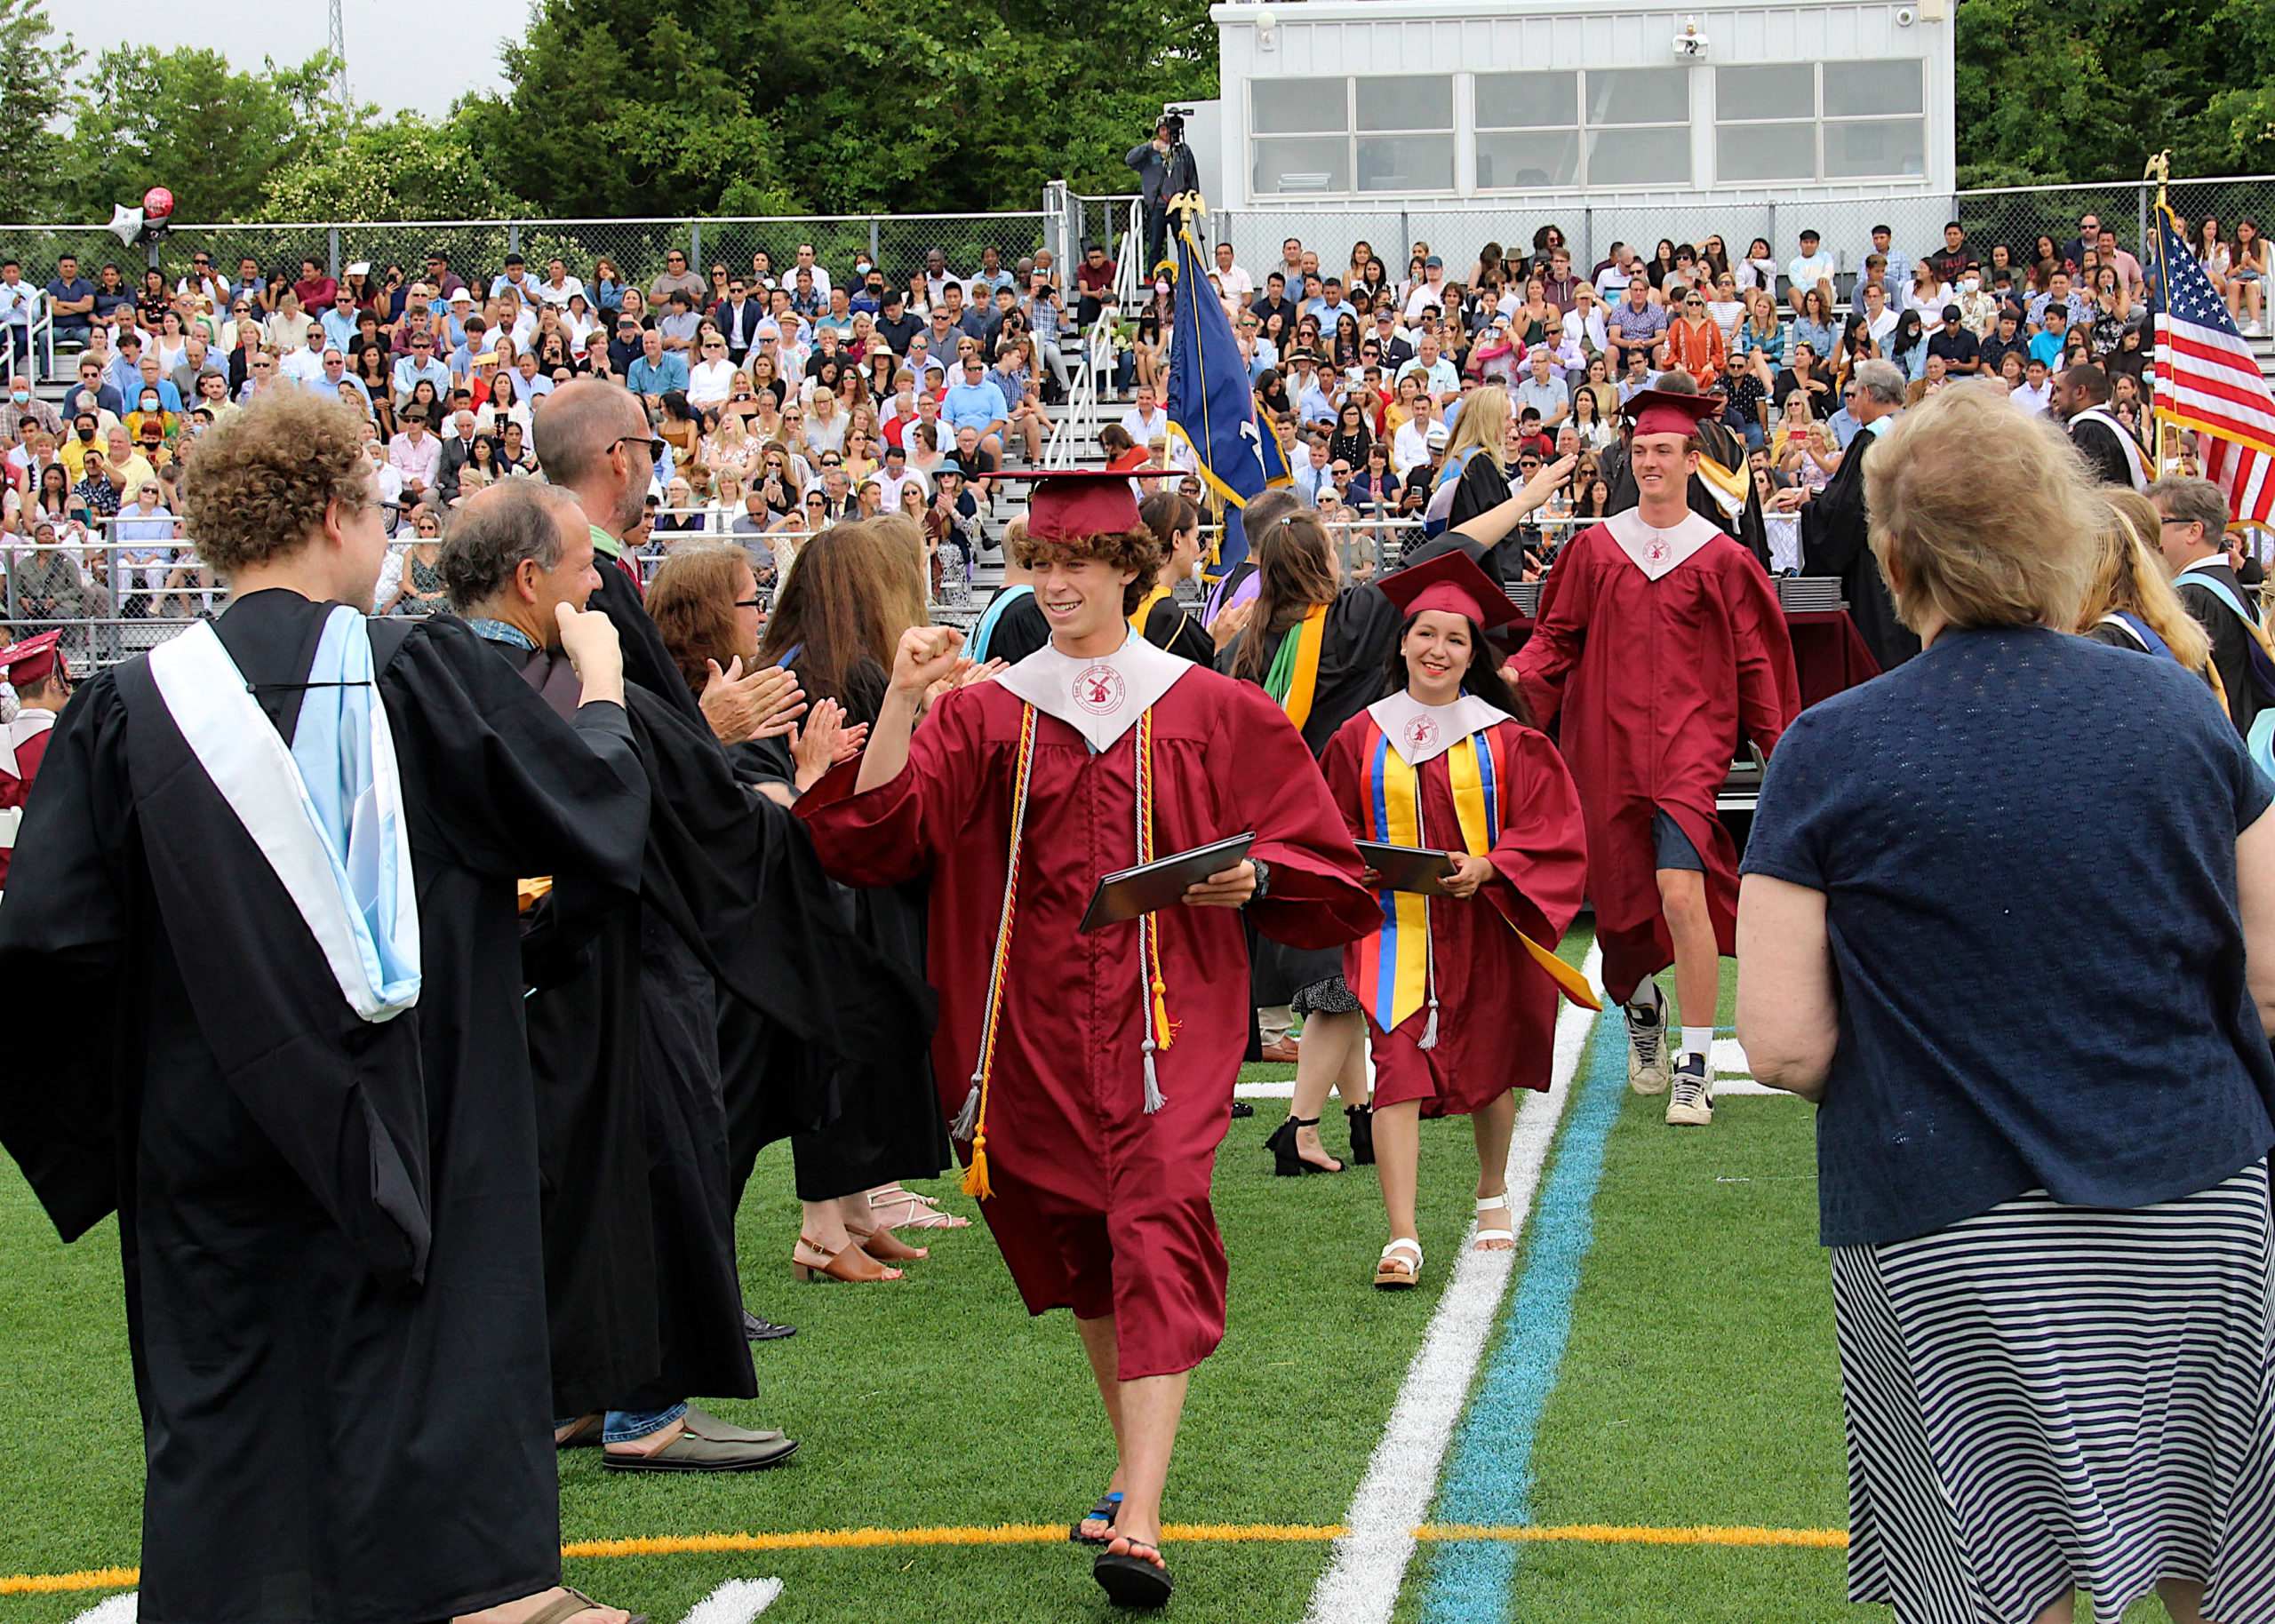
point(31, 661)
point(1451, 582)
point(1072, 504)
point(1660, 411)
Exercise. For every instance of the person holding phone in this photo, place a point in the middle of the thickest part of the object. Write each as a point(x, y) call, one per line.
point(1459, 1013)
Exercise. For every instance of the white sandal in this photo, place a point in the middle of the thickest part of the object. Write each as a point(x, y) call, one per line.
point(916, 1212)
point(1395, 1272)
point(1487, 1203)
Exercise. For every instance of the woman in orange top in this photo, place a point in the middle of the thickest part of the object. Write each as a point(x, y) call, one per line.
point(1694, 340)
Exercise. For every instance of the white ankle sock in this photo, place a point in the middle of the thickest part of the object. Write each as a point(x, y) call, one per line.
point(1698, 1040)
point(1647, 1001)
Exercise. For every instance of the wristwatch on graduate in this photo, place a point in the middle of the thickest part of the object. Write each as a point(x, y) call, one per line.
point(1262, 880)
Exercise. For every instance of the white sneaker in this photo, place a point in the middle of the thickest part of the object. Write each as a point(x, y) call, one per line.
point(1647, 1050)
point(1691, 1104)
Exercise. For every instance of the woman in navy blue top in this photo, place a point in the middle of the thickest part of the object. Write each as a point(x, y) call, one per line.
point(1995, 918)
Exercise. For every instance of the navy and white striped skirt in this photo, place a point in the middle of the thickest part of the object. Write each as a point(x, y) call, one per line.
point(2044, 1397)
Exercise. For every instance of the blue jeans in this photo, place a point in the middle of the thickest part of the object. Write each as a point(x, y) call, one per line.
point(624, 1426)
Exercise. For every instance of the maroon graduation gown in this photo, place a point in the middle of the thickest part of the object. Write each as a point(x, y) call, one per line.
point(1497, 1008)
point(1658, 684)
point(1099, 1206)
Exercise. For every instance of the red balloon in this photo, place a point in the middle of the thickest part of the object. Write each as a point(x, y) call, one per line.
point(157, 202)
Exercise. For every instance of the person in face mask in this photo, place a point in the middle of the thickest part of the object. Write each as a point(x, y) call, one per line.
point(21, 408)
point(149, 413)
point(74, 449)
point(1978, 306)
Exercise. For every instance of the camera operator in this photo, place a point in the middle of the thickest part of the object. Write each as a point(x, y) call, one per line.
point(1165, 170)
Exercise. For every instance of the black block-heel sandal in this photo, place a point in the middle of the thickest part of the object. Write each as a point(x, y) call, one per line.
point(1287, 1161)
point(1361, 1121)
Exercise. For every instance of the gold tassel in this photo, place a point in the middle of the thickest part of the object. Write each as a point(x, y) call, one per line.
point(975, 1177)
point(1165, 1030)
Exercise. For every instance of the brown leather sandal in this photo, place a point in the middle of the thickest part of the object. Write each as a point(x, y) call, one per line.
point(809, 1262)
point(569, 1604)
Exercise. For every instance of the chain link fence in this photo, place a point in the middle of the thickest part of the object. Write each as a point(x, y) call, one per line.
point(900, 242)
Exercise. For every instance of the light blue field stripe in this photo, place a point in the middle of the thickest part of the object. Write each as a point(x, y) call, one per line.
point(1489, 1481)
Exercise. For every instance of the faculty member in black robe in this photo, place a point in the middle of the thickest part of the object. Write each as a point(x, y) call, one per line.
point(1834, 522)
point(330, 1223)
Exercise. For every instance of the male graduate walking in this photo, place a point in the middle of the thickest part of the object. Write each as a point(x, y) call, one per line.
point(1662, 648)
point(1091, 1073)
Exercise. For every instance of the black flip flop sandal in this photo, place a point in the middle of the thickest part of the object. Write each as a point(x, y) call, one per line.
point(1103, 1512)
point(1132, 1581)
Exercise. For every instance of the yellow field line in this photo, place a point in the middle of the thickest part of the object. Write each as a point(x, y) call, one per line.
point(1051, 1533)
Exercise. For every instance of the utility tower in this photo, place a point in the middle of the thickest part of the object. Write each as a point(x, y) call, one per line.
point(338, 46)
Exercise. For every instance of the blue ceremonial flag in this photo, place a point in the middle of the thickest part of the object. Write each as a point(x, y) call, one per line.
point(1209, 403)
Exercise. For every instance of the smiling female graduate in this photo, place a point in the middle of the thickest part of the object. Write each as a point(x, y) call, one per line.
point(1460, 1011)
point(1090, 1074)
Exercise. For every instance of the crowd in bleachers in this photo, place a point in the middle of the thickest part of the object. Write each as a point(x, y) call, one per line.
point(790, 396)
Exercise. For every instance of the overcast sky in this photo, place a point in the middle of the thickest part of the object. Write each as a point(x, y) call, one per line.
point(420, 54)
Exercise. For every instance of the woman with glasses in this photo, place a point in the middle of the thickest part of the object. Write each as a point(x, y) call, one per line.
point(1694, 341)
point(422, 562)
point(711, 379)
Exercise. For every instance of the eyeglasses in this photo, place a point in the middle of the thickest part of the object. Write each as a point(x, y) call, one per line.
point(750, 603)
point(655, 447)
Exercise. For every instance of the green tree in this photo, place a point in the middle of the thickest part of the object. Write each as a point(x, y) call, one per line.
point(33, 68)
point(2087, 92)
point(184, 120)
point(765, 106)
point(406, 169)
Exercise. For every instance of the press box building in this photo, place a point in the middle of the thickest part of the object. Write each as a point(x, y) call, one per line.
point(1462, 120)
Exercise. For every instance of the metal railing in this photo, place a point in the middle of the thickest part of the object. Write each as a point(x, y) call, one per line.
point(1590, 223)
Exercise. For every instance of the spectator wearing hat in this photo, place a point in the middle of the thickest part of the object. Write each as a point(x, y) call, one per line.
point(1430, 292)
point(1810, 270)
point(1960, 352)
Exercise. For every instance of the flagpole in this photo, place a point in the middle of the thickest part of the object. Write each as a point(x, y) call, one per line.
point(2163, 436)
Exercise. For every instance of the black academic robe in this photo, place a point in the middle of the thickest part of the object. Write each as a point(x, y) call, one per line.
point(1176, 629)
point(2231, 652)
point(1019, 631)
point(1834, 543)
point(890, 1128)
point(1726, 448)
point(649, 993)
point(647, 663)
point(1355, 651)
point(333, 1265)
point(2104, 454)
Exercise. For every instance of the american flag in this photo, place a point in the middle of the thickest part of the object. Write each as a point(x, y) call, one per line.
point(2207, 379)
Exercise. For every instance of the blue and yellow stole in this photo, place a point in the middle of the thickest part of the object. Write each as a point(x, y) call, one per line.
point(1393, 977)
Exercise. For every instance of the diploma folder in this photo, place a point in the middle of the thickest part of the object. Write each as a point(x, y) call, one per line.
point(1407, 868)
point(1160, 883)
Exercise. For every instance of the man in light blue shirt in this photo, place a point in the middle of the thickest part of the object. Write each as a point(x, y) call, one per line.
point(1330, 305)
point(655, 370)
point(1312, 475)
point(339, 321)
point(974, 402)
point(1843, 423)
point(1899, 265)
point(420, 362)
point(1543, 391)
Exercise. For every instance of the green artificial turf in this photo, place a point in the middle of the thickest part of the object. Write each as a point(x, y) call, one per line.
point(1699, 1386)
point(931, 1401)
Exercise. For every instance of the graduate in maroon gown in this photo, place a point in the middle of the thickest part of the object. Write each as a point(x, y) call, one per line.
point(1661, 644)
point(35, 668)
point(1460, 1011)
point(1091, 1075)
